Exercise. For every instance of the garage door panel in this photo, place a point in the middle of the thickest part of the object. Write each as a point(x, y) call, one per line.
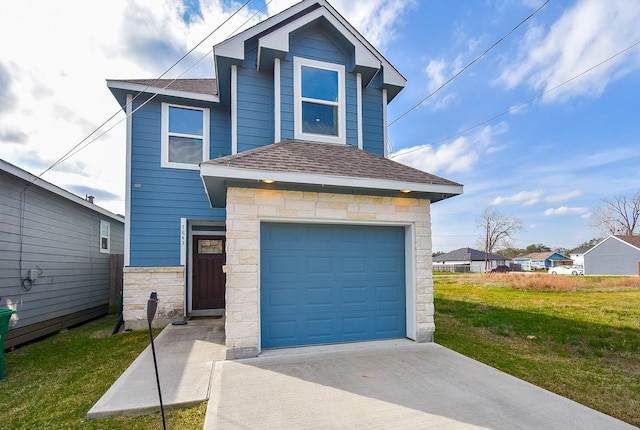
point(331, 283)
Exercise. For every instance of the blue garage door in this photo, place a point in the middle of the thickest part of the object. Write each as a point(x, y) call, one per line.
point(331, 283)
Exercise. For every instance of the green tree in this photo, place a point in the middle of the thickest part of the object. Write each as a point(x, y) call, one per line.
point(536, 247)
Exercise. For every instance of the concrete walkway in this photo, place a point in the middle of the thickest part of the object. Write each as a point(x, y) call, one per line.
point(185, 355)
point(373, 385)
point(384, 385)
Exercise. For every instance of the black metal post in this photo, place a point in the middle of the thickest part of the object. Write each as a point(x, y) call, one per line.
point(152, 306)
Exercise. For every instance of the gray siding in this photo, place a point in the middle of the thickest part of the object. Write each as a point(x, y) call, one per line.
point(61, 239)
point(612, 257)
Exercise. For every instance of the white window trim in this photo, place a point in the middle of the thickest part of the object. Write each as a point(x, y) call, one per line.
point(164, 150)
point(108, 249)
point(297, 96)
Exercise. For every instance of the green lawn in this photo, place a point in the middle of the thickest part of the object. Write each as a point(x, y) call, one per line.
point(576, 336)
point(51, 384)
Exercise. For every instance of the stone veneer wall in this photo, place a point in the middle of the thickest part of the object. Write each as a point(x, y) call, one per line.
point(247, 207)
point(140, 282)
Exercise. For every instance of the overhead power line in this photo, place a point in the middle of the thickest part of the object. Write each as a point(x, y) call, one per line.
point(518, 106)
point(447, 82)
point(77, 148)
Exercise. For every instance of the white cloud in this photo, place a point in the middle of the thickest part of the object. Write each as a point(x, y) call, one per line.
point(561, 197)
point(54, 64)
point(377, 20)
point(564, 210)
point(461, 155)
point(438, 72)
point(527, 198)
point(586, 34)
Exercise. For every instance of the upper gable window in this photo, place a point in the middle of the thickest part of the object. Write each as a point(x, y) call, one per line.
point(319, 93)
point(185, 136)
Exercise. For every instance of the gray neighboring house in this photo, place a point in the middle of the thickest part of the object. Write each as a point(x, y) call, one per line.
point(467, 257)
point(55, 251)
point(615, 255)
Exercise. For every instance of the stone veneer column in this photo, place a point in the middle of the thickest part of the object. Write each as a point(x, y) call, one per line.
point(247, 207)
point(140, 282)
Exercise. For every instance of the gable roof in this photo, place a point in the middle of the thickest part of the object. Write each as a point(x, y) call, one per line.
point(272, 36)
point(467, 254)
point(633, 241)
point(542, 256)
point(323, 167)
point(194, 89)
point(580, 250)
point(32, 180)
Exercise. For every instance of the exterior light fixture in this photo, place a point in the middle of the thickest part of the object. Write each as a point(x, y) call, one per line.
point(268, 181)
point(406, 191)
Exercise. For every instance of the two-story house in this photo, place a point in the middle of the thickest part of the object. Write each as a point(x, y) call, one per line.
point(265, 195)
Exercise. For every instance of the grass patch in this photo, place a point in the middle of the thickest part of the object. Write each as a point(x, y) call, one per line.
point(576, 336)
point(54, 382)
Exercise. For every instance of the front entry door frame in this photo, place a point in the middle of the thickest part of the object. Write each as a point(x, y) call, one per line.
point(196, 229)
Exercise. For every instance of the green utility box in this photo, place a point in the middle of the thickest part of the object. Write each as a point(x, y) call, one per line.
point(5, 316)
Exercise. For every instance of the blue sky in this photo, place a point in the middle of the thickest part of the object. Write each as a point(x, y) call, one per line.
point(548, 162)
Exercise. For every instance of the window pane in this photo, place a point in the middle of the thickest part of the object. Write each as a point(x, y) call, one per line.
point(319, 119)
point(185, 121)
point(104, 243)
point(185, 150)
point(319, 84)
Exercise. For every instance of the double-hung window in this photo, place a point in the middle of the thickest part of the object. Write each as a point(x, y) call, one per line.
point(185, 136)
point(105, 237)
point(319, 101)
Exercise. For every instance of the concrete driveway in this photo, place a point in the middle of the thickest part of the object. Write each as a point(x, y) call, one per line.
point(395, 384)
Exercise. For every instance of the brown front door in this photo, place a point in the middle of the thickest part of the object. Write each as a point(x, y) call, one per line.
point(208, 282)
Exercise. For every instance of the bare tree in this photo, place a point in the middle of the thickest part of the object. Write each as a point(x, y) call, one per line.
point(619, 215)
point(497, 230)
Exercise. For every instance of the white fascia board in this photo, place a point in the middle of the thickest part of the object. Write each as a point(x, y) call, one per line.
point(128, 86)
point(279, 39)
point(41, 183)
point(228, 172)
point(233, 47)
point(615, 238)
point(600, 243)
point(391, 75)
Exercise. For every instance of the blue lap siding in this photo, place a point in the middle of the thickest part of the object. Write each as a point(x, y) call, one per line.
point(160, 197)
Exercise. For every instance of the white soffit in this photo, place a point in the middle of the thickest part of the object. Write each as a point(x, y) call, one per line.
point(229, 173)
point(141, 88)
point(366, 54)
point(279, 39)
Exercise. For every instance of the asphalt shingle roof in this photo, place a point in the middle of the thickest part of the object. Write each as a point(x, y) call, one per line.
point(296, 156)
point(467, 254)
point(198, 86)
point(631, 240)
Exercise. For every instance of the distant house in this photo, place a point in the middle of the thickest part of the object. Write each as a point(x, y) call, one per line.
point(541, 260)
point(615, 255)
point(55, 250)
point(467, 260)
point(266, 194)
point(577, 255)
